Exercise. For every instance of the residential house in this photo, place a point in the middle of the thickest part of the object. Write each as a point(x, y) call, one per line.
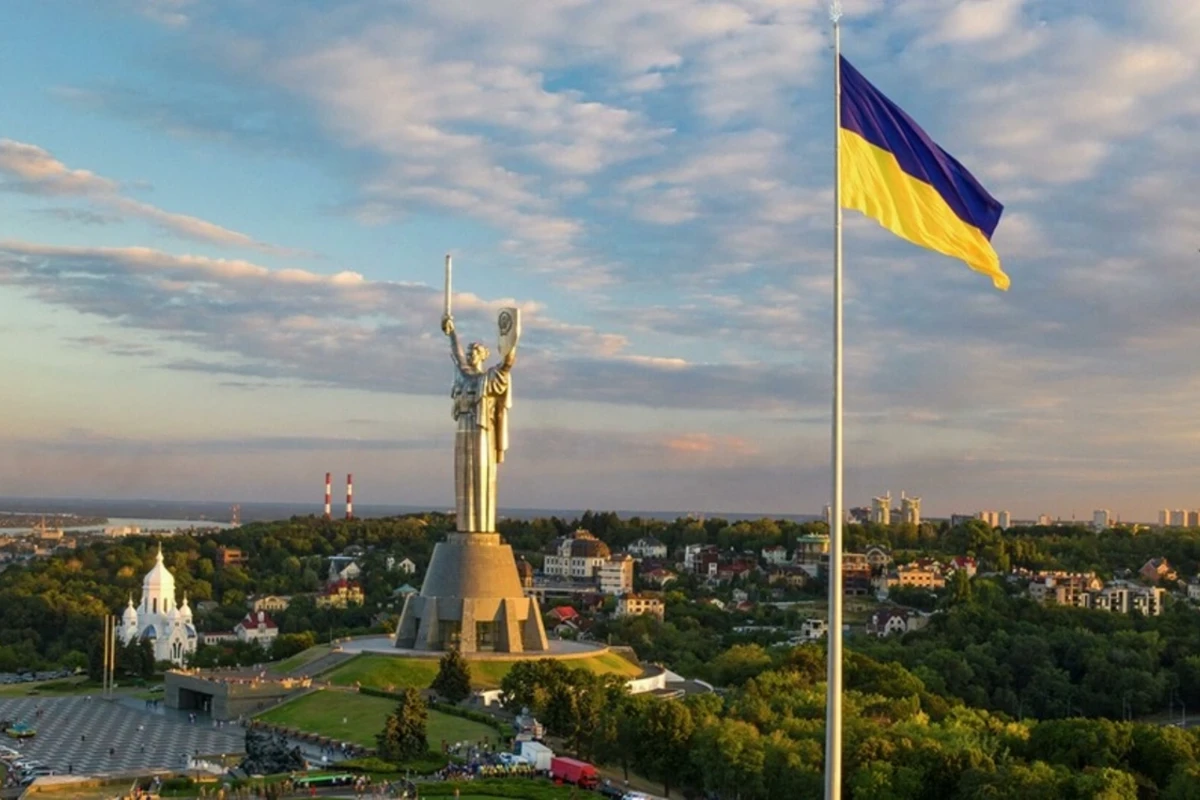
point(647, 547)
point(792, 576)
point(736, 569)
point(616, 575)
point(811, 549)
point(964, 563)
point(269, 602)
point(562, 614)
point(1064, 588)
point(814, 629)
point(343, 568)
point(705, 562)
point(689, 555)
point(578, 556)
point(1121, 597)
point(340, 594)
point(739, 595)
point(775, 556)
point(230, 557)
point(1157, 569)
point(404, 591)
point(879, 557)
point(888, 621)
point(257, 626)
point(1193, 589)
point(218, 637)
point(924, 574)
point(856, 574)
point(632, 605)
point(659, 577)
point(407, 566)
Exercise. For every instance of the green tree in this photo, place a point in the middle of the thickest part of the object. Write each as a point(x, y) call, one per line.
point(453, 680)
point(728, 755)
point(287, 645)
point(403, 735)
point(663, 731)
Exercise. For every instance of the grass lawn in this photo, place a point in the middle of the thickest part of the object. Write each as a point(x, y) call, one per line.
point(383, 672)
point(300, 659)
point(323, 712)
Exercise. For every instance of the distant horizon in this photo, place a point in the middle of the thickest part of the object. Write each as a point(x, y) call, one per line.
point(257, 510)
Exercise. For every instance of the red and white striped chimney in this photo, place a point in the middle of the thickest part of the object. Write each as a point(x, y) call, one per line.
point(350, 496)
point(328, 495)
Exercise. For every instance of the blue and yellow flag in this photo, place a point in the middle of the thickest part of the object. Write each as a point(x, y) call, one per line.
point(893, 172)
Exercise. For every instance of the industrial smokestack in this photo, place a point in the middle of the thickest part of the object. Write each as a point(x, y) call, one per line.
point(350, 496)
point(328, 495)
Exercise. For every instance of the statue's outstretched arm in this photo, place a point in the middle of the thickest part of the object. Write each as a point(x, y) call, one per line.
point(507, 363)
point(456, 351)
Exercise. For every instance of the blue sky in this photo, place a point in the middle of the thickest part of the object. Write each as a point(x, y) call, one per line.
point(222, 226)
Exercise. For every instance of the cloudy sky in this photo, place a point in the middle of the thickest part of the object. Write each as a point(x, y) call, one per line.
point(222, 226)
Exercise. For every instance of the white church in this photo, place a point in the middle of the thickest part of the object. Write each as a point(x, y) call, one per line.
point(168, 627)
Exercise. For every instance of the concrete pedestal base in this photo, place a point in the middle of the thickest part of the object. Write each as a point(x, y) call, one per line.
point(472, 600)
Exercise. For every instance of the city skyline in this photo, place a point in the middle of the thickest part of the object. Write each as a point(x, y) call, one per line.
point(221, 231)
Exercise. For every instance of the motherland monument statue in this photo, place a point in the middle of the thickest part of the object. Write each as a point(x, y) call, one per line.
point(472, 599)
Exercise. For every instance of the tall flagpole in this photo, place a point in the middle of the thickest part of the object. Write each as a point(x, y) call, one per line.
point(106, 643)
point(833, 680)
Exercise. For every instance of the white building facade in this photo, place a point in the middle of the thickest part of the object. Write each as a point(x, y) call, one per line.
point(647, 547)
point(616, 575)
point(579, 557)
point(158, 619)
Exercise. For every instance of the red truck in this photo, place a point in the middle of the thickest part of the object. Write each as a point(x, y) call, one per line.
point(571, 770)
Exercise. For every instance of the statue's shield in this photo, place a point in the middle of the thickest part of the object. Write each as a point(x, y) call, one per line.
point(510, 329)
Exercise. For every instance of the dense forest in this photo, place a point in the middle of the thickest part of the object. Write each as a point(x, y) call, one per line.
point(764, 738)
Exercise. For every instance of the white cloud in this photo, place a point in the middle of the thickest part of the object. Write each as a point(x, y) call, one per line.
point(971, 21)
point(33, 169)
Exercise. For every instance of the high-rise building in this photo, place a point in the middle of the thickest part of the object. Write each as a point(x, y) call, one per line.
point(992, 518)
point(1193, 519)
point(1004, 520)
point(1164, 517)
point(881, 509)
point(1101, 519)
point(1178, 518)
point(910, 509)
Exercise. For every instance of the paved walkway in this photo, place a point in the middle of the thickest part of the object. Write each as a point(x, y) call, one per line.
point(75, 734)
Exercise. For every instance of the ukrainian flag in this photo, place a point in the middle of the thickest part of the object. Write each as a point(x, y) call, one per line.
point(893, 172)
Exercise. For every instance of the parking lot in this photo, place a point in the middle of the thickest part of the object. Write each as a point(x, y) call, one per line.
point(91, 736)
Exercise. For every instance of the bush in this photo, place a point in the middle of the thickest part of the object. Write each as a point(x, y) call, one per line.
point(527, 789)
point(177, 784)
point(422, 765)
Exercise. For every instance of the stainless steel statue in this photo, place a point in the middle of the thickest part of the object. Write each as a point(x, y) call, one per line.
point(482, 397)
point(472, 598)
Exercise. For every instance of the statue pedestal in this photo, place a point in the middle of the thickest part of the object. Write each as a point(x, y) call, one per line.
point(472, 600)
